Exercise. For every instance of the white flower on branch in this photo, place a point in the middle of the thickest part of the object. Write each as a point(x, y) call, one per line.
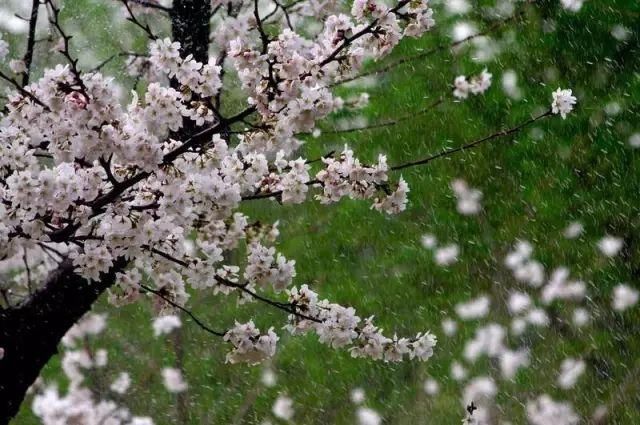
point(249, 345)
point(339, 326)
point(563, 102)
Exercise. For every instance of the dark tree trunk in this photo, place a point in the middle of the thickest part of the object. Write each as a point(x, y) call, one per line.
point(30, 333)
point(190, 26)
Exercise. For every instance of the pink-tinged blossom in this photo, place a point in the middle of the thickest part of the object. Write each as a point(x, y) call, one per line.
point(537, 317)
point(563, 102)
point(482, 391)
point(624, 297)
point(121, 384)
point(610, 246)
point(560, 287)
point(249, 346)
point(268, 378)
point(357, 395)
point(339, 326)
point(544, 411)
point(283, 408)
point(572, 5)
point(173, 380)
point(512, 361)
point(634, 140)
point(570, 370)
point(90, 325)
point(524, 268)
point(478, 84)
point(458, 371)
point(428, 241)
point(473, 309)
point(4, 49)
point(580, 317)
point(166, 324)
point(446, 255)
point(449, 326)
point(431, 387)
point(368, 416)
point(468, 199)
point(518, 302)
point(488, 340)
point(17, 66)
point(573, 230)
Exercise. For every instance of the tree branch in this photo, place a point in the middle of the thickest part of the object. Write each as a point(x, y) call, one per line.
point(446, 152)
point(389, 123)
point(31, 40)
point(133, 19)
point(471, 145)
point(181, 308)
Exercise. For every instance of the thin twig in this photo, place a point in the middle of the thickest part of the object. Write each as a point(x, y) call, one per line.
point(151, 5)
point(287, 307)
point(389, 123)
point(132, 18)
point(114, 56)
point(54, 19)
point(471, 145)
point(26, 266)
point(22, 90)
point(181, 308)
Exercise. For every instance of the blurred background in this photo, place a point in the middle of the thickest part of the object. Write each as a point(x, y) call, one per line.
point(480, 226)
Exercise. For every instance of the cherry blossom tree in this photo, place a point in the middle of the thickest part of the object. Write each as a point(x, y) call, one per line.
point(141, 200)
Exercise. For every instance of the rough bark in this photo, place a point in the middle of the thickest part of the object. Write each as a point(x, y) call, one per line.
point(190, 26)
point(30, 333)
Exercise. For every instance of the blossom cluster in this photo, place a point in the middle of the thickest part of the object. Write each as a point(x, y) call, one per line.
point(477, 85)
point(339, 326)
point(249, 345)
point(82, 404)
point(347, 176)
point(528, 303)
point(563, 102)
point(468, 199)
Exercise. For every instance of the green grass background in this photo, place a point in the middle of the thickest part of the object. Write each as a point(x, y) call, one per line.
point(534, 184)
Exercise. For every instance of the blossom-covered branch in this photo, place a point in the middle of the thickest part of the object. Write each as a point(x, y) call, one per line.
point(145, 194)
